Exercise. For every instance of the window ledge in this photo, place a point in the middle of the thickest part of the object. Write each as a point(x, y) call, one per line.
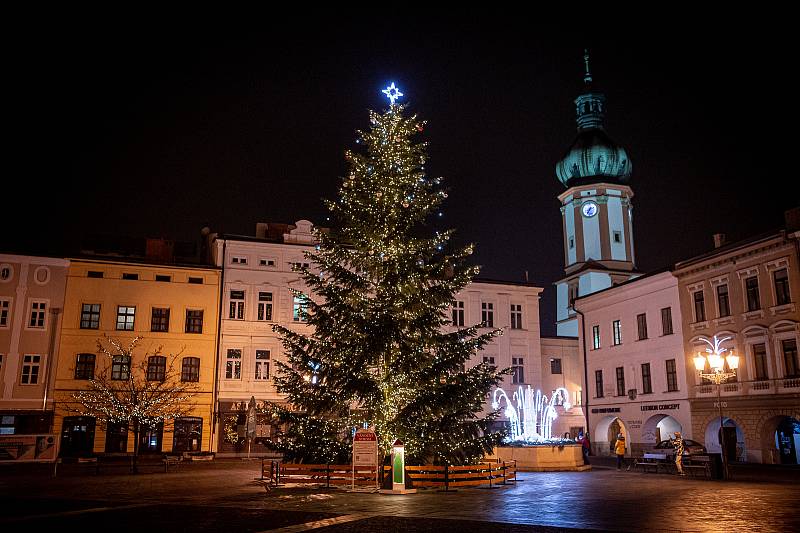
point(721, 321)
point(697, 326)
point(753, 315)
point(782, 309)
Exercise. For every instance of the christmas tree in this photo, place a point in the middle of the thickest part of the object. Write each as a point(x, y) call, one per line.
point(378, 297)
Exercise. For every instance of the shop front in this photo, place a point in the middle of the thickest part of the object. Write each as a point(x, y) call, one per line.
point(233, 439)
point(644, 425)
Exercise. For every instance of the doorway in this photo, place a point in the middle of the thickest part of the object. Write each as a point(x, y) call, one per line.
point(787, 441)
point(77, 436)
point(150, 438)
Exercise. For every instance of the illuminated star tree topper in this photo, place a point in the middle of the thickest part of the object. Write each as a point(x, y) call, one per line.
point(392, 93)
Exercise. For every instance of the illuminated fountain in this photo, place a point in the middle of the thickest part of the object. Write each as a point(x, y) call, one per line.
point(532, 417)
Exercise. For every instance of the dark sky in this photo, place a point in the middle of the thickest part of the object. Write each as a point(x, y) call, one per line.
point(159, 129)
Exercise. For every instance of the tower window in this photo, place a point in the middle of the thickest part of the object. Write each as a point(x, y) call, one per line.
point(571, 243)
point(618, 236)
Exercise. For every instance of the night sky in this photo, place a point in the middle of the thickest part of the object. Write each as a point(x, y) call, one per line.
point(160, 129)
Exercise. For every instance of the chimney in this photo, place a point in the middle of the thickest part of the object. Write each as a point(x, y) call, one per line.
point(719, 239)
point(261, 230)
point(792, 218)
point(160, 250)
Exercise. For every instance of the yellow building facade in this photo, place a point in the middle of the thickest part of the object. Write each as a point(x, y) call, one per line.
point(174, 309)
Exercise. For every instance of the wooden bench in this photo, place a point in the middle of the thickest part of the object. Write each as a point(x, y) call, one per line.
point(697, 463)
point(171, 460)
point(655, 460)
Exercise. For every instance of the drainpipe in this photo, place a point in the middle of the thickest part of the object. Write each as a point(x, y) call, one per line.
point(214, 401)
point(585, 372)
point(51, 360)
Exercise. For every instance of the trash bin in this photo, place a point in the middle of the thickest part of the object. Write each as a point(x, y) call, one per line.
point(717, 472)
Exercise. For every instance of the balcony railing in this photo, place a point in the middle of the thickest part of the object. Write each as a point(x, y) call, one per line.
point(756, 387)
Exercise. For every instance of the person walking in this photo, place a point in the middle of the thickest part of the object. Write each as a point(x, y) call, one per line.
point(679, 446)
point(586, 446)
point(619, 449)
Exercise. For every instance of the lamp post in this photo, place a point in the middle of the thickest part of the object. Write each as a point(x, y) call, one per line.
point(718, 374)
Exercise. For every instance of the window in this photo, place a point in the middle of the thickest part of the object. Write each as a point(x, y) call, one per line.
point(298, 266)
point(517, 370)
point(572, 291)
point(84, 366)
point(90, 316)
point(699, 307)
point(194, 321)
point(7, 426)
point(620, 381)
point(265, 306)
point(190, 369)
point(262, 365)
point(458, 313)
point(94, 274)
point(488, 359)
point(641, 323)
point(753, 298)
point(595, 337)
point(722, 300)
point(487, 314)
point(598, 383)
point(236, 305)
point(555, 365)
point(156, 368)
point(300, 309)
point(5, 306)
point(128, 275)
point(781, 278)
point(571, 243)
point(266, 262)
point(159, 320)
point(30, 369)
point(239, 260)
point(672, 376)
point(616, 328)
point(233, 364)
point(198, 281)
point(5, 272)
point(163, 277)
point(666, 321)
point(790, 358)
point(617, 236)
point(125, 316)
point(647, 384)
point(516, 316)
point(38, 309)
point(121, 367)
point(760, 361)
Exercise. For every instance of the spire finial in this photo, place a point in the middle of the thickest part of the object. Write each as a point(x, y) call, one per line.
point(587, 78)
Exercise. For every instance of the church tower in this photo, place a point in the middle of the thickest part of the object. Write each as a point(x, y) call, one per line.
point(596, 209)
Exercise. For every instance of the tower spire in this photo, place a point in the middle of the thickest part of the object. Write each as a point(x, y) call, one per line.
point(587, 77)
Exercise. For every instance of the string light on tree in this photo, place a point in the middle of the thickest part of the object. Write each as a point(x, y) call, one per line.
point(378, 348)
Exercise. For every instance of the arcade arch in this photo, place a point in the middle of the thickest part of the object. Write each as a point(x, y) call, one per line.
point(605, 434)
point(659, 427)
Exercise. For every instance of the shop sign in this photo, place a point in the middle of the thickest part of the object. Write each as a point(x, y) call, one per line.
point(605, 410)
point(661, 407)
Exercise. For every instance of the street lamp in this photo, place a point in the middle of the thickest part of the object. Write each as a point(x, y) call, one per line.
point(716, 361)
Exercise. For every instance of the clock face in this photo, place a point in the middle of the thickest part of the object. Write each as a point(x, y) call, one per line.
point(589, 209)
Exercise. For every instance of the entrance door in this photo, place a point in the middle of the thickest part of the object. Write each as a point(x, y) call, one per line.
point(187, 436)
point(787, 438)
point(77, 436)
point(150, 438)
point(729, 440)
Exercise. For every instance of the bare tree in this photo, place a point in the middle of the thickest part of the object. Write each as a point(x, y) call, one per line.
point(141, 395)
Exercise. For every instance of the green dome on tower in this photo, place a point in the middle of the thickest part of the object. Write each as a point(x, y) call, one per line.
point(593, 156)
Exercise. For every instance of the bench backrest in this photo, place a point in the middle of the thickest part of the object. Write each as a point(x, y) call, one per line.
point(700, 459)
point(655, 456)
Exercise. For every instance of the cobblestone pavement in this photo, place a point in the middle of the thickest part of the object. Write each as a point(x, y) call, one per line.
point(224, 495)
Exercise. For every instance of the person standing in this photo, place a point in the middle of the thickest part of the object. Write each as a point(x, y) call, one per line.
point(619, 449)
point(679, 446)
point(586, 446)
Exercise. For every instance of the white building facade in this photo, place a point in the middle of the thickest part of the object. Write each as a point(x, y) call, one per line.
point(637, 381)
